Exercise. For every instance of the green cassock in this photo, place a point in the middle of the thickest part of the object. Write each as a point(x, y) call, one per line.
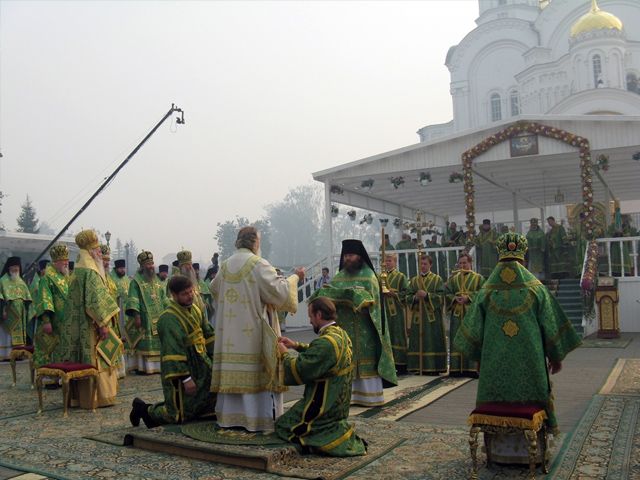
point(439, 263)
point(487, 252)
point(467, 283)
point(407, 262)
point(52, 297)
point(394, 304)
point(122, 285)
point(454, 239)
point(427, 337)
point(357, 299)
point(18, 306)
point(186, 345)
point(537, 247)
point(148, 299)
point(319, 419)
point(513, 326)
point(557, 252)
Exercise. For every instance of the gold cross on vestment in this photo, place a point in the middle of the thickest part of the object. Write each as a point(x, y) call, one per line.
point(228, 345)
point(230, 314)
point(247, 331)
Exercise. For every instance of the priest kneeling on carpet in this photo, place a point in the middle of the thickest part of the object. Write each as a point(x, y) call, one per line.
point(318, 422)
point(186, 347)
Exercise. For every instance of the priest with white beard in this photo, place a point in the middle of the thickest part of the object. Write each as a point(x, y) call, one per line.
point(247, 369)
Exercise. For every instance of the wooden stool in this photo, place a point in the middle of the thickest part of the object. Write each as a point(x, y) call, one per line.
point(508, 419)
point(67, 371)
point(21, 352)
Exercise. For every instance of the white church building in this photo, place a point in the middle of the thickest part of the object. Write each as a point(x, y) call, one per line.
point(569, 65)
point(563, 57)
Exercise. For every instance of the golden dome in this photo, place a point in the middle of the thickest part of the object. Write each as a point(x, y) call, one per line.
point(596, 19)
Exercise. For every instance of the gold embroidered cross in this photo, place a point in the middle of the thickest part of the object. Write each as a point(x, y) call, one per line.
point(230, 314)
point(510, 328)
point(247, 331)
point(228, 345)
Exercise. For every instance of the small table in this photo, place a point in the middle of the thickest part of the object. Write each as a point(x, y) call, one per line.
point(67, 371)
point(21, 352)
point(508, 419)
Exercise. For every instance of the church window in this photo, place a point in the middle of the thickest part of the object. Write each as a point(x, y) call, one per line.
point(597, 72)
point(514, 101)
point(496, 107)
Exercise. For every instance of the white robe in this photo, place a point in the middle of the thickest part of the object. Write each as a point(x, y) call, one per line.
point(247, 373)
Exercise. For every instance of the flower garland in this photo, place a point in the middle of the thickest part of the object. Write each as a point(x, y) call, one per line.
point(336, 190)
point(334, 210)
point(588, 282)
point(352, 214)
point(368, 219)
point(586, 167)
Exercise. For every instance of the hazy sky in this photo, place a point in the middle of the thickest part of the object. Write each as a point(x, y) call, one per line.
point(272, 91)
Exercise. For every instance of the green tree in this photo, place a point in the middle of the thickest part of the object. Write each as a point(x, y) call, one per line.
point(27, 221)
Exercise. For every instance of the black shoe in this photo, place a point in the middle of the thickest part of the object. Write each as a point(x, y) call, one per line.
point(138, 407)
point(146, 418)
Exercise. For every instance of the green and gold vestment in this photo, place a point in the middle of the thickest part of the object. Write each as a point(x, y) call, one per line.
point(427, 337)
point(319, 419)
point(487, 252)
point(186, 344)
point(18, 306)
point(537, 247)
point(512, 327)
point(394, 303)
point(558, 260)
point(461, 283)
point(89, 307)
point(50, 308)
point(146, 298)
point(372, 355)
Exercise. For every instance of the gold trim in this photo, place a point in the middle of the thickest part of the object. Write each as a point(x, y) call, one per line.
point(294, 371)
point(536, 422)
point(174, 358)
point(238, 276)
point(338, 441)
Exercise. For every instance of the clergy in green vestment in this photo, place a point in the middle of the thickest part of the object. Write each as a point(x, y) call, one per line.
point(49, 340)
point(205, 293)
point(394, 303)
point(122, 281)
point(558, 264)
point(145, 303)
point(427, 339)
point(513, 328)
point(407, 262)
point(34, 286)
point(364, 322)
point(89, 312)
point(17, 308)
point(185, 264)
point(318, 421)
point(186, 344)
point(485, 243)
point(120, 363)
point(163, 275)
point(453, 238)
point(439, 260)
point(460, 290)
point(537, 247)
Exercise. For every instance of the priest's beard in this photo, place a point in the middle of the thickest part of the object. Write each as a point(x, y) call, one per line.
point(63, 271)
point(97, 259)
point(190, 273)
point(14, 276)
point(353, 267)
point(148, 273)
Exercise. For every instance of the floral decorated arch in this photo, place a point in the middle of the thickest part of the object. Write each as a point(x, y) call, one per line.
point(586, 168)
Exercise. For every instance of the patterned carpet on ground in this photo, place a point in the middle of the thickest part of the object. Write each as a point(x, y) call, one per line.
point(604, 445)
point(606, 442)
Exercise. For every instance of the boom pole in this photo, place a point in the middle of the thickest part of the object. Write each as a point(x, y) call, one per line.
point(179, 120)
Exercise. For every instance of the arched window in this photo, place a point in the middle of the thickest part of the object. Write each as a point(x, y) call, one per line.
point(496, 107)
point(597, 72)
point(514, 102)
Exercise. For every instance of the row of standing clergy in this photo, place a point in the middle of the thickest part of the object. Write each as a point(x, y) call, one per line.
point(415, 313)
